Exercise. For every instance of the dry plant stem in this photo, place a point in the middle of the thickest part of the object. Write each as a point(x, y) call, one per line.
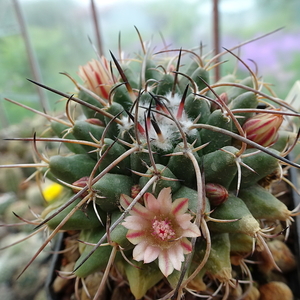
point(95, 108)
point(60, 140)
point(124, 78)
point(239, 46)
point(232, 117)
point(24, 239)
point(226, 294)
point(266, 247)
point(206, 234)
point(141, 40)
point(54, 232)
point(97, 27)
point(198, 220)
point(201, 198)
point(246, 270)
point(33, 62)
point(216, 35)
point(106, 273)
point(24, 166)
point(68, 112)
point(245, 140)
point(274, 99)
point(176, 75)
point(81, 87)
point(247, 67)
point(267, 111)
point(47, 116)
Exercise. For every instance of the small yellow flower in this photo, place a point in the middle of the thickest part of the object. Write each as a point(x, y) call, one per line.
point(52, 191)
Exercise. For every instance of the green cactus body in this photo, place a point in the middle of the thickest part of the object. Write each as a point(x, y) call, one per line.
point(66, 168)
point(98, 260)
point(60, 130)
point(229, 78)
point(118, 235)
point(240, 243)
point(218, 265)
point(114, 150)
point(234, 91)
point(188, 177)
point(128, 70)
point(156, 147)
point(161, 182)
point(151, 71)
point(184, 81)
point(192, 195)
point(216, 140)
point(243, 221)
point(83, 130)
point(122, 97)
point(200, 76)
point(245, 100)
point(165, 85)
point(263, 205)
point(197, 107)
point(89, 112)
point(83, 218)
point(218, 163)
point(113, 130)
point(262, 164)
point(109, 188)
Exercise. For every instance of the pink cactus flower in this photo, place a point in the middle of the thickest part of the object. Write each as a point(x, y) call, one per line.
point(160, 230)
point(97, 76)
point(263, 128)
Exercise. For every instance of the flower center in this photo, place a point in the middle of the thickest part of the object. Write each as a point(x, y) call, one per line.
point(162, 229)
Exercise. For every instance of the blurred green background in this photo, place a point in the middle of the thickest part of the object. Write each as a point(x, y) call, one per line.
point(59, 32)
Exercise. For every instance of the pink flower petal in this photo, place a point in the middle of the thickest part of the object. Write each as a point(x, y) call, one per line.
point(192, 231)
point(151, 203)
point(137, 209)
point(180, 206)
point(176, 256)
point(136, 236)
point(184, 220)
point(138, 253)
point(186, 245)
point(165, 264)
point(136, 223)
point(165, 200)
point(151, 254)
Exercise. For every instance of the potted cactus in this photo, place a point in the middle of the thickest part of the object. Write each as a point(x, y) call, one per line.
point(165, 180)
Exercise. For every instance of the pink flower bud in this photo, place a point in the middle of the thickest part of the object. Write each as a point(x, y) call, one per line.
point(97, 76)
point(223, 98)
point(263, 128)
point(135, 189)
point(216, 193)
point(95, 121)
point(81, 183)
